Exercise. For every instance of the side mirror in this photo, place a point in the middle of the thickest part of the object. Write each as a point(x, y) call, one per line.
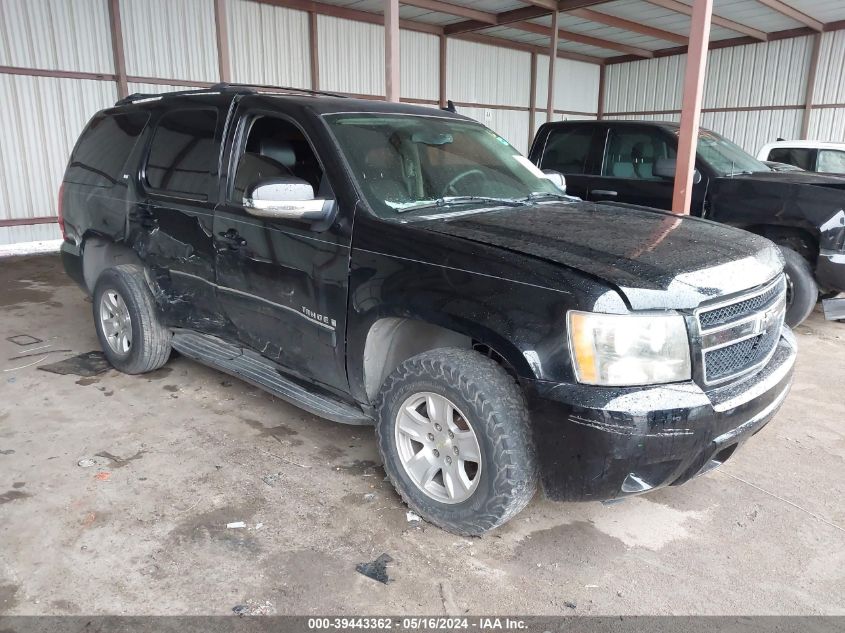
point(286, 198)
point(666, 167)
point(557, 178)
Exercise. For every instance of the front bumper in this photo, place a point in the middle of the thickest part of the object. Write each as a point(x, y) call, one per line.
point(601, 443)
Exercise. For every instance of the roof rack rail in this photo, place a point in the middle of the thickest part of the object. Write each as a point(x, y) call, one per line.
point(224, 87)
point(258, 87)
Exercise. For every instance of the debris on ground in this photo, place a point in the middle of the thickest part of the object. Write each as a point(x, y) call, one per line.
point(89, 462)
point(103, 475)
point(377, 570)
point(253, 607)
point(370, 496)
point(235, 525)
point(412, 517)
point(84, 365)
point(570, 605)
point(272, 479)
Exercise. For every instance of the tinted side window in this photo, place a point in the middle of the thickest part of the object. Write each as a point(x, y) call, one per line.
point(831, 161)
point(632, 153)
point(797, 156)
point(103, 148)
point(567, 150)
point(184, 153)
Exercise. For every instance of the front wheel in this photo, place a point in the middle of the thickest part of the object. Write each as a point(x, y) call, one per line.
point(802, 293)
point(454, 436)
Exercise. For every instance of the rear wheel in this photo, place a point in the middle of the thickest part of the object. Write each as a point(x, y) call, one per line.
point(454, 437)
point(130, 334)
point(802, 293)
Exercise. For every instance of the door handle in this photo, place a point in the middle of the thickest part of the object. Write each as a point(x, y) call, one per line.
point(233, 237)
point(604, 192)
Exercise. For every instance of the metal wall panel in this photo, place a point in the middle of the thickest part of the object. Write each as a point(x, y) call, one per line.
point(652, 84)
point(269, 44)
point(156, 88)
point(419, 56)
point(56, 35)
point(830, 74)
point(170, 39)
point(576, 85)
point(753, 129)
point(351, 55)
point(512, 125)
point(479, 73)
point(765, 74)
point(828, 124)
point(42, 117)
point(30, 233)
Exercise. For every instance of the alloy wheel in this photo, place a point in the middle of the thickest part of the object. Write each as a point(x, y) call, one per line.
point(438, 448)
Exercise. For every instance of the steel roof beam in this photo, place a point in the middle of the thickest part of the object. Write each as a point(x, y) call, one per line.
point(453, 9)
point(628, 25)
point(519, 15)
point(539, 29)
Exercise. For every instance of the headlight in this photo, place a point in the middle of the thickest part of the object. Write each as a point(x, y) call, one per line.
point(625, 349)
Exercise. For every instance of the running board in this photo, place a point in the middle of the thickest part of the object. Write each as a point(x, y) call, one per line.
point(263, 373)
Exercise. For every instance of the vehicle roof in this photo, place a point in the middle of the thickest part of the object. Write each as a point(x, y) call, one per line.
point(320, 103)
point(674, 125)
point(809, 144)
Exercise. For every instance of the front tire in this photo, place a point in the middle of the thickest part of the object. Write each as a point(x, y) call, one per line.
point(454, 436)
point(127, 325)
point(802, 290)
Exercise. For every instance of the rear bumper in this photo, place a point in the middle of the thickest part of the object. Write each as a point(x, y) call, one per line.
point(830, 270)
point(598, 443)
point(71, 255)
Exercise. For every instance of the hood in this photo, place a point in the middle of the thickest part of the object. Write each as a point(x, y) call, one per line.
point(791, 178)
point(657, 260)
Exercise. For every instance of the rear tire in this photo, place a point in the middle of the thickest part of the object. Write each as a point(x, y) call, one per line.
point(487, 422)
point(132, 338)
point(802, 292)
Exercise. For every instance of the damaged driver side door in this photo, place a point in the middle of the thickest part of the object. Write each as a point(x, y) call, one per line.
point(282, 282)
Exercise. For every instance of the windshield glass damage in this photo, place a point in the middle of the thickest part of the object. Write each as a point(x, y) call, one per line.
point(413, 164)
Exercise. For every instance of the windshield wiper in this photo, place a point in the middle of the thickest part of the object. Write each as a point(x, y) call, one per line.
point(449, 201)
point(540, 195)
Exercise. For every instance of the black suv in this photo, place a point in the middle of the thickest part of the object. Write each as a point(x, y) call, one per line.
point(386, 264)
point(634, 162)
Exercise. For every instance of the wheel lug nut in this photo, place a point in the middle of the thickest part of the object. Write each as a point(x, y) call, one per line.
point(436, 453)
point(455, 450)
point(451, 435)
point(431, 437)
point(438, 427)
point(448, 459)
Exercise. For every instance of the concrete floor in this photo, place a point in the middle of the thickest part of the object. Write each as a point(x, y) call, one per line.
point(188, 450)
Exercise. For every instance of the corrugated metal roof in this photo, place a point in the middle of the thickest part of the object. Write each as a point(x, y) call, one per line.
point(658, 17)
point(824, 10)
point(754, 14)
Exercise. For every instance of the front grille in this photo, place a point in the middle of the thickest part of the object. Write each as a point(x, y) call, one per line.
point(736, 358)
point(739, 336)
point(741, 309)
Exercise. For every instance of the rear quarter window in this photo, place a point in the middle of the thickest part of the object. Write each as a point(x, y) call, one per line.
point(101, 153)
point(183, 154)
